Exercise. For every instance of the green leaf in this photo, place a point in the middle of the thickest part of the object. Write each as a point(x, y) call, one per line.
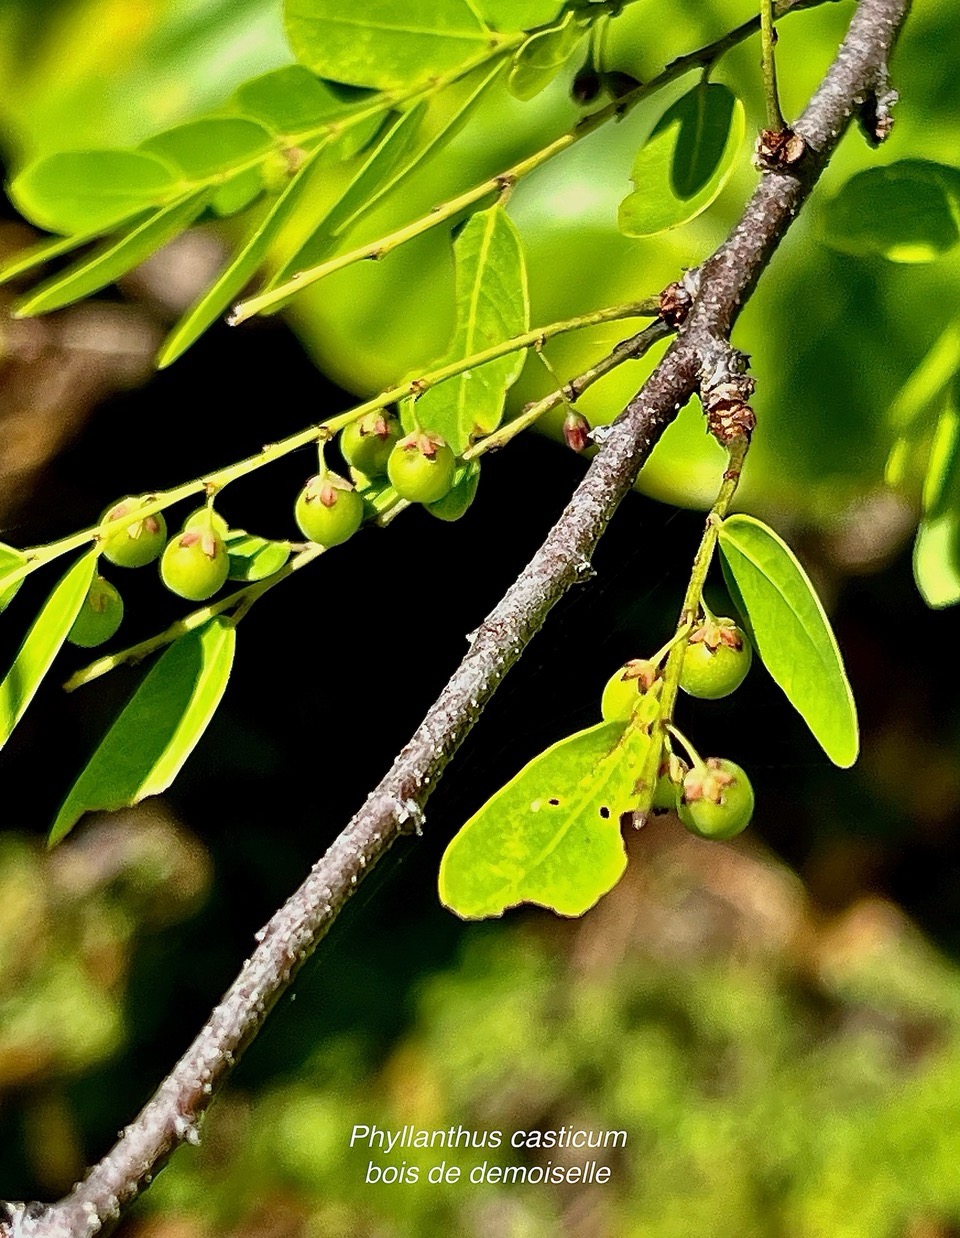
point(905, 212)
point(461, 494)
point(359, 195)
point(239, 191)
point(113, 259)
point(541, 58)
point(212, 149)
point(147, 745)
point(42, 643)
point(791, 632)
point(936, 552)
point(238, 272)
point(294, 103)
point(928, 381)
point(254, 558)
point(551, 836)
point(515, 15)
point(10, 560)
point(56, 247)
point(91, 191)
point(382, 44)
point(685, 162)
point(492, 306)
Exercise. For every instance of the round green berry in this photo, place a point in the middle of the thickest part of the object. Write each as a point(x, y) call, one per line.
point(205, 518)
point(421, 468)
point(716, 660)
point(195, 565)
point(98, 617)
point(328, 510)
point(625, 687)
point(716, 800)
point(366, 444)
point(137, 542)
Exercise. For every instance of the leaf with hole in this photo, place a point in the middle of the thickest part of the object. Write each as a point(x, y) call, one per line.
point(551, 836)
point(42, 643)
point(91, 191)
point(905, 212)
point(114, 258)
point(385, 45)
point(686, 161)
point(791, 632)
point(147, 745)
point(492, 305)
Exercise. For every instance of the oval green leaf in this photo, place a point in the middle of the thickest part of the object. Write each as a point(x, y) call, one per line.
point(42, 643)
point(492, 305)
point(295, 103)
point(93, 190)
point(906, 212)
point(685, 162)
point(382, 44)
point(212, 149)
point(254, 558)
point(791, 632)
point(543, 56)
point(551, 836)
point(147, 745)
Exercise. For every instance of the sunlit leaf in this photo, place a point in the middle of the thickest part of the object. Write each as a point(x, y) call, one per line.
point(936, 552)
point(212, 148)
point(10, 560)
point(551, 836)
point(294, 102)
point(42, 643)
point(518, 14)
point(685, 162)
point(91, 191)
point(113, 259)
point(791, 632)
point(254, 558)
point(55, 247)
point(377, 168)
point(383, 44)
point(492, 306)
point(147, 745)
point(238, 272)
point(541, 58)
point(906, 212)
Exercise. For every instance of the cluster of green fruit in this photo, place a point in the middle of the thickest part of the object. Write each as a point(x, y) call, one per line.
point(420, 467)
point(712, 797)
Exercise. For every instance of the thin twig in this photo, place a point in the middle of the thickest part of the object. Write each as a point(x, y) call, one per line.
point(395, 807)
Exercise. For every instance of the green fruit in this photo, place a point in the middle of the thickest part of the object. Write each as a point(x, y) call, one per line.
point(625, 687)
point(328, 510)
point(139, 541)
point(195, 565)
point(366, 444)
point(205, 518)
point(421, 468)
point(716, 660)
point(460, 495)
point(98, 617)
point(716, 800)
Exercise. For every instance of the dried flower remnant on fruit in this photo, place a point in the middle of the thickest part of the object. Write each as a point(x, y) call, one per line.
point(328, 509)
point(421, 467)
point(139, 541)
point(716, 800)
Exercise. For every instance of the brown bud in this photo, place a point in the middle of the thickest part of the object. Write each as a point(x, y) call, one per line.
point(778, 149)
point(576, 430)
point(675, 303)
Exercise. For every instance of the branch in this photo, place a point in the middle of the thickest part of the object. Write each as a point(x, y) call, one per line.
point(395, 807)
